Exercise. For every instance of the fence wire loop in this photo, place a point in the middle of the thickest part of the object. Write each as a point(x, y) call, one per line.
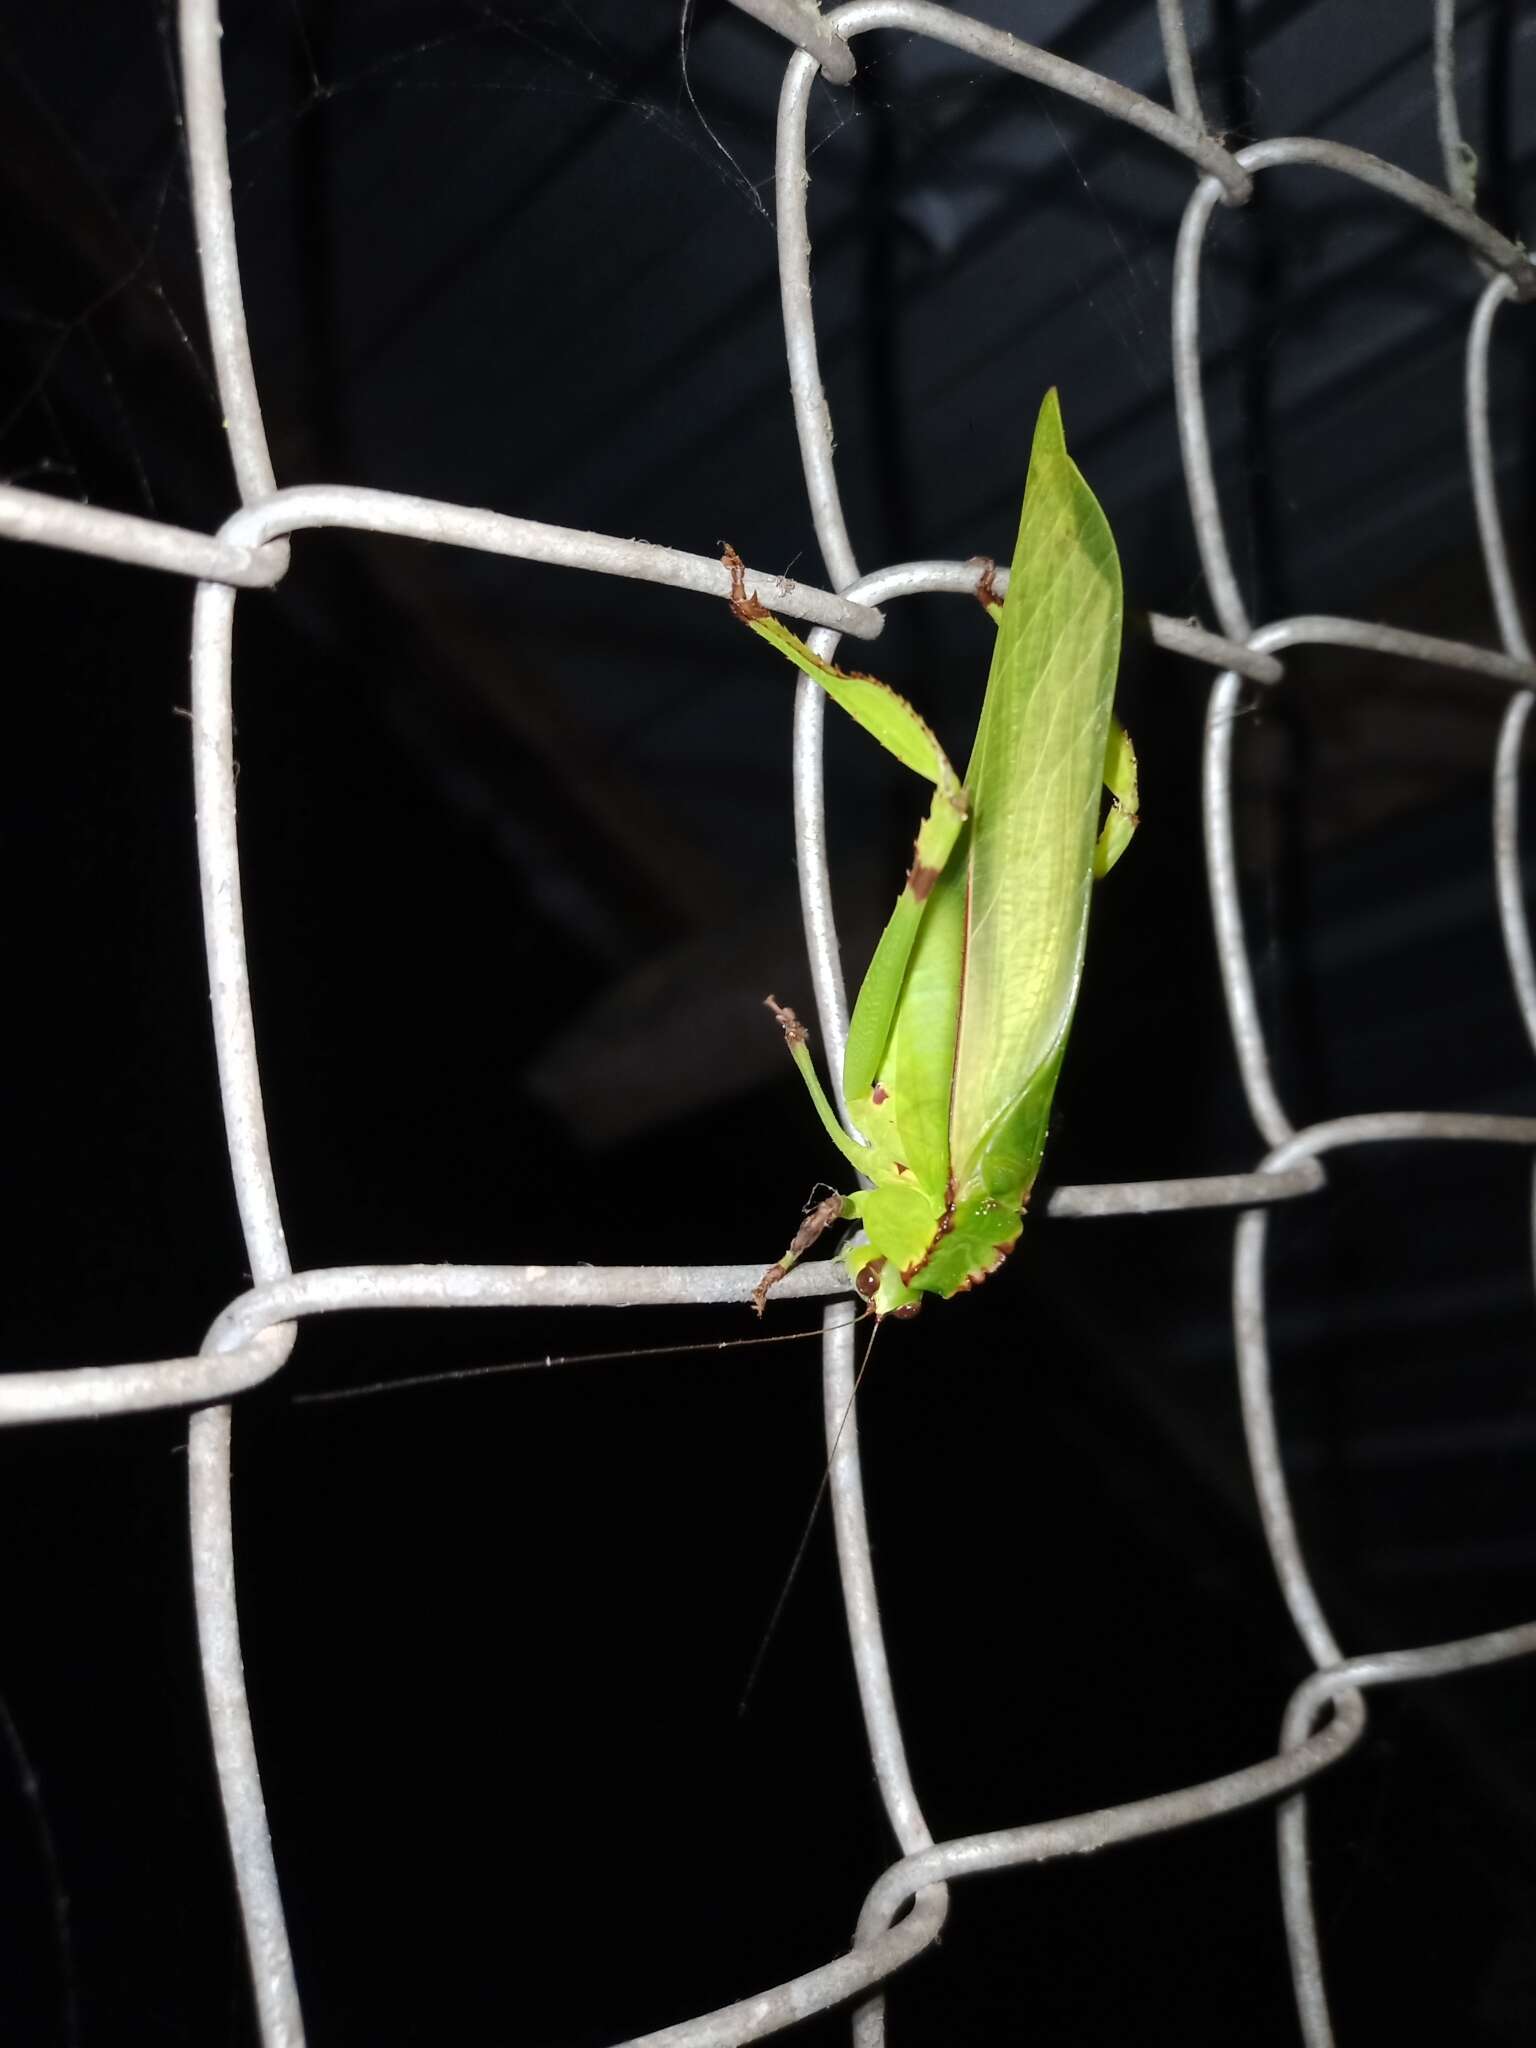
point(800, 22)
point(256, 1334)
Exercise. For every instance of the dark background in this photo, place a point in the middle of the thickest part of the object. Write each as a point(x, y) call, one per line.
point(518, 871)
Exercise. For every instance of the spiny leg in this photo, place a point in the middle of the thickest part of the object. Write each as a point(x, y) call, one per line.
point(821, 1218)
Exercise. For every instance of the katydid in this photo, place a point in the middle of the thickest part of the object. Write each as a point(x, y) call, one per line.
point(958, 1033)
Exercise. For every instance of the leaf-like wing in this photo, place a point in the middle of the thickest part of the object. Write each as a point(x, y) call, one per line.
point(1034, 785)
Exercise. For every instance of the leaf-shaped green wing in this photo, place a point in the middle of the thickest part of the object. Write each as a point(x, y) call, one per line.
point(1034, 785)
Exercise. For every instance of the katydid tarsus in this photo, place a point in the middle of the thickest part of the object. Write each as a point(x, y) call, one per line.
point(957, 1036)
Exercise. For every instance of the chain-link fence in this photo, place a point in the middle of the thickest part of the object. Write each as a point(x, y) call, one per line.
point(254, 1337)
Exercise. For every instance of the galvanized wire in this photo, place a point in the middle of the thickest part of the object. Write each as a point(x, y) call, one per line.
point(256, 1334)
point(1183, 89)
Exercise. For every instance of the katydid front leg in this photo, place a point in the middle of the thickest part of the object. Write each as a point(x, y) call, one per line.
point(827, 1212)
point(821, 1218)
point(833, 1208)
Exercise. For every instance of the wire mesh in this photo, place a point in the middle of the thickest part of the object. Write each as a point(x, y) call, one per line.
point(255, 1335)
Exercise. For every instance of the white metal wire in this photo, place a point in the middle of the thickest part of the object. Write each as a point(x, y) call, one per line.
point(256, 1333)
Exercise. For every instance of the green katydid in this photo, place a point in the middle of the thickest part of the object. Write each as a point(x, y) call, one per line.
point(958, 1033)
